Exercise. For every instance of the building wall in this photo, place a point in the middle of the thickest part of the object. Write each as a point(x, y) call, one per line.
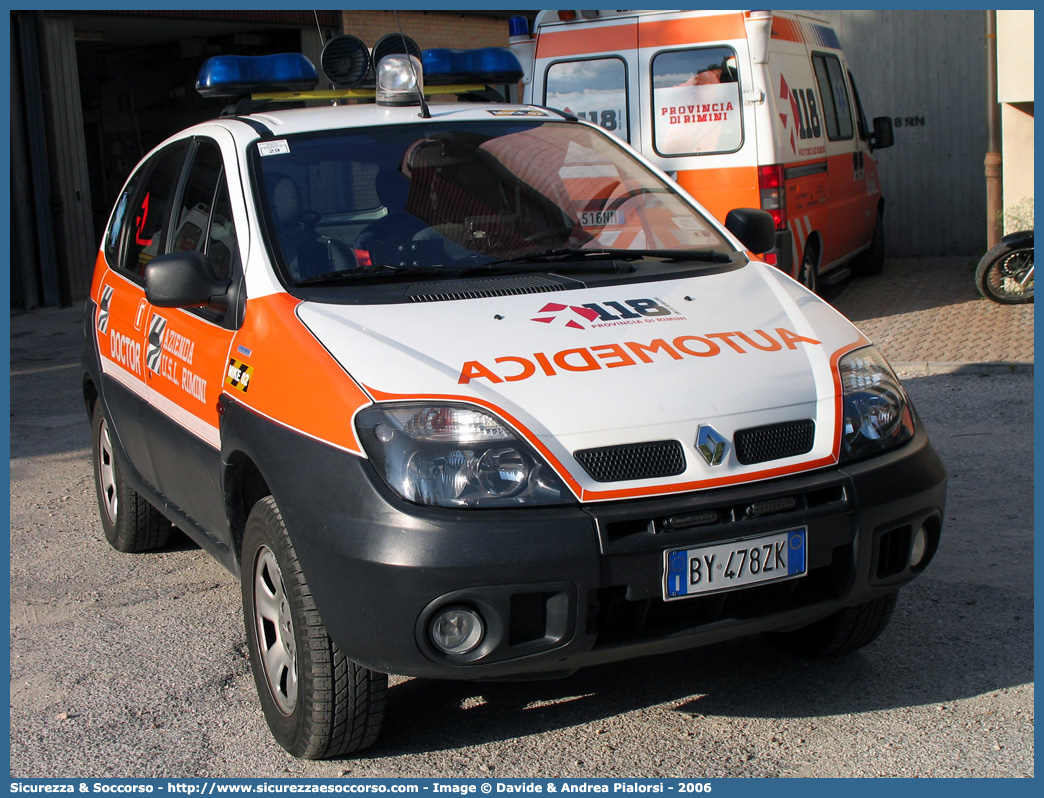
point(1015, 91)
point(926, 71)
point(428, 28)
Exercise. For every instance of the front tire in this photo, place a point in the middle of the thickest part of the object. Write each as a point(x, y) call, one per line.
point(318, 703)
point(130, 523)
point(1005, 275)
point(842, 633)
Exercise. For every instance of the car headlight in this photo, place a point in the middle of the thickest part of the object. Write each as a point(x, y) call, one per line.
point(877, 412)
point(455, 456)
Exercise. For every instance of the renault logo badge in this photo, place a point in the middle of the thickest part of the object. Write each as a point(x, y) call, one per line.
point(711, 445)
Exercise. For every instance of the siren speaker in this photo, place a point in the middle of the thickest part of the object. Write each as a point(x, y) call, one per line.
point(392, 44)
point(345, 61)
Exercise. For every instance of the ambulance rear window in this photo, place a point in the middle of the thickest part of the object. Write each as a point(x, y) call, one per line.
point(594, 89)
point(697, 108)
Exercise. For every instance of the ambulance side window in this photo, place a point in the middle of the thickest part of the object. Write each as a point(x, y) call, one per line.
point(864, 131)
point(144, 222)
point(594, 89)
point(697, 108)
point(837, 109)
point(204, 218)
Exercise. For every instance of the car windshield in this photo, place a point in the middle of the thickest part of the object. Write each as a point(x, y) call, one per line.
point(446, 198)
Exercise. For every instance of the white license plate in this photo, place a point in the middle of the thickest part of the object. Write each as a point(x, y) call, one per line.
point(727, 566)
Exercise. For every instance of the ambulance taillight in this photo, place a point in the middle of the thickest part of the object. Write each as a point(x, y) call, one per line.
point(773, 200)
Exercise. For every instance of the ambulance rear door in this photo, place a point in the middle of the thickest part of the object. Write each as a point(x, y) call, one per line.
point(699, 105)
point(589, 68)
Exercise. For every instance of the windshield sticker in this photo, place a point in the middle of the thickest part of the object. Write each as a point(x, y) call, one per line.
point(601, 218)
point(630, 353)
point(518, 112)
point(279, 147)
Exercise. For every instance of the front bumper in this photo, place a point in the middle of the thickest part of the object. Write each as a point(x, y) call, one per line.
point(566, 587)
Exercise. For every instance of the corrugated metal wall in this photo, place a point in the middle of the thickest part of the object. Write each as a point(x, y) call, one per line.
point(925, 70)
point(71, 204)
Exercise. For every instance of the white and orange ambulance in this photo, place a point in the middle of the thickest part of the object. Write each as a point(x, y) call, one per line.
point(742, 108)
point(471, 390)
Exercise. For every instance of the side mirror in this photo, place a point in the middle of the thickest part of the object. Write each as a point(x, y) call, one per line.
point(882, 136)
point(755, 228)
point(184, 280)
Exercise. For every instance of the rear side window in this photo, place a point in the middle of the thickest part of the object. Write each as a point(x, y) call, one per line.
point(204, 217)
point(837, 108)
point(697, 108)
point(594, 89)
point(145, 210)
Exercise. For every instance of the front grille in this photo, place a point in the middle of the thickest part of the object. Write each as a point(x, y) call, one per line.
point(633, 461)
point(719, 518)
point(774, 441)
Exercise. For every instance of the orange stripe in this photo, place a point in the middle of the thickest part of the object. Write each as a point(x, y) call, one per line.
point(786, 29)
point(721, 190)
point(581, 40)
point(691, 30)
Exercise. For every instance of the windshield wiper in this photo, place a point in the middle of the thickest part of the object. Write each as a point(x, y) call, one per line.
point(698, 255)
point(565, 261)
point(582, 260)
point(380, 272)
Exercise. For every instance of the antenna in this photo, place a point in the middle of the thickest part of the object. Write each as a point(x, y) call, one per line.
point(318, 27)
point(425, 113)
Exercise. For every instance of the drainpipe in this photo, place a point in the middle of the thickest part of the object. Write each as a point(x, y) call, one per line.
point(994, 179)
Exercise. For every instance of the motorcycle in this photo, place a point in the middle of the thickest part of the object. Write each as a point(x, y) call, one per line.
point(1005, 273)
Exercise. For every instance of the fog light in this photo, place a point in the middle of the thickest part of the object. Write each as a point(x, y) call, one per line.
point(457, 630)
point(918, 547)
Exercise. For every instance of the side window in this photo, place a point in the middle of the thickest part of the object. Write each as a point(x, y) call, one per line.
point(144, 222)
point(204, 217)
point(697, 108)
point(864, 131)
point(837, 110)
point(222, 245)
point(112, 237)
point(594, 89)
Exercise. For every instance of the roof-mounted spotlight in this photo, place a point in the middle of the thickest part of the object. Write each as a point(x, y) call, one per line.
point(400, 80)
point(345, 61)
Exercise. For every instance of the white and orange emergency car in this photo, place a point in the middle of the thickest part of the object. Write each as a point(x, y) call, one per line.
point(742, 108)
point(467, 390)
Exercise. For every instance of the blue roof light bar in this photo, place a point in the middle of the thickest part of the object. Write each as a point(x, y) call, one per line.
point(491, 65)
point(239, 75)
